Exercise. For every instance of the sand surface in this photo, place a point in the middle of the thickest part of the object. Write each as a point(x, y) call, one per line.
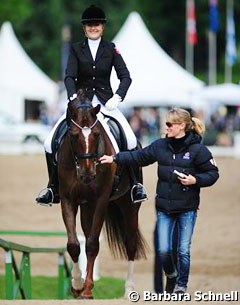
point(216, 243)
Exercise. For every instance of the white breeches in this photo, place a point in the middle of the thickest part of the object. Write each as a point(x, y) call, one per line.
point(48, 141)
point(116, 114)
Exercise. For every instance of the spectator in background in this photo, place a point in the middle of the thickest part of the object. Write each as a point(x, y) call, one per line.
point(136, 123)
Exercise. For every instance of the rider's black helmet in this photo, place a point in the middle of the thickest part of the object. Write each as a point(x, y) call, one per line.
point(93, 14)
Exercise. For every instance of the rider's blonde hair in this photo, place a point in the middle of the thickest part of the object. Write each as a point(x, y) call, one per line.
point(179, 115)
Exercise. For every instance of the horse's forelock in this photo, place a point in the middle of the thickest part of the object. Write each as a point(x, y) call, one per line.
point(82, 97)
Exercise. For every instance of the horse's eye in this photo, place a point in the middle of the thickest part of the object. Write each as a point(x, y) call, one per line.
point(96, 133)
point(73, 133)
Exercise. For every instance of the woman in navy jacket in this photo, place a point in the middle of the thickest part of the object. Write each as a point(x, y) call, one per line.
point(184, 166)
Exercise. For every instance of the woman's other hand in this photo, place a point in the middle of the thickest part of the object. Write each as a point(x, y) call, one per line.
point(188, 180)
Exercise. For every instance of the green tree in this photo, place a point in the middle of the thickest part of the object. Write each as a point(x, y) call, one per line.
point(15, 11)
point(41, 35)
point(38, 25)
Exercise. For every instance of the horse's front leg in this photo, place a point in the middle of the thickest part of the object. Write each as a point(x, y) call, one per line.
point(69, 212)
point(92, 249)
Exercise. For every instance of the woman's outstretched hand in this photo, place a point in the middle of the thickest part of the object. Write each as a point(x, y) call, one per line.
point(106, 159)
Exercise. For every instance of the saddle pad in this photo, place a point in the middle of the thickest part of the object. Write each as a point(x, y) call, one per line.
point(103, 121)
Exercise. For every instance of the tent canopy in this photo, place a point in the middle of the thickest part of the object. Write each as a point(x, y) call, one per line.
point(157, 78)
point(227, 94)
point(20, 78)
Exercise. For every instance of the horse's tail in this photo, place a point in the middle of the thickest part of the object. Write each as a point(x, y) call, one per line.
point(116, 234)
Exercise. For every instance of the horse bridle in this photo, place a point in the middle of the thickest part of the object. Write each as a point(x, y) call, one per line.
point(86, 130)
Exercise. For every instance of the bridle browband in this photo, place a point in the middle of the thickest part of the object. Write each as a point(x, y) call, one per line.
point(85, 127)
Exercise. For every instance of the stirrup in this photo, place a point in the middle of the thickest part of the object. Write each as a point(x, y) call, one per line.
point(42, 203)
point(140, 200)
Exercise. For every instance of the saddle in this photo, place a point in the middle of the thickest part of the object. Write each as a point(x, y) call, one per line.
point(117, 132)
point(58, 137)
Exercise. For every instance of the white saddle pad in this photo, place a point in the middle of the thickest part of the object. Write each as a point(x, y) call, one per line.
point(103, 120)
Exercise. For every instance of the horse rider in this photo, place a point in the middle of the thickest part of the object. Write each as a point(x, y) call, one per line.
point(89, 68)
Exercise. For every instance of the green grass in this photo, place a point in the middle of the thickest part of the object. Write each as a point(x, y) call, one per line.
point(45, 288)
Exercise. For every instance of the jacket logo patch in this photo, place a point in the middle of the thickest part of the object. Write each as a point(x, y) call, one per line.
point(117, 51)
point(213, 162)
point(186, 156)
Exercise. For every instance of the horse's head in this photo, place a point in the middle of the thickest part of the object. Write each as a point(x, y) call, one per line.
point(84, 137)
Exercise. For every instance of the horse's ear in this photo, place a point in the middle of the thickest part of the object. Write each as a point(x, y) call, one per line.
point(96, 109)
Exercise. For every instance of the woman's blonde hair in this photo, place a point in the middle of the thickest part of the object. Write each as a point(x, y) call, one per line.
point(179, 115)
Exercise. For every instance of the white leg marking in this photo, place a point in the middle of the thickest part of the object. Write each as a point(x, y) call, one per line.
point(77, 281)
point(129, 284)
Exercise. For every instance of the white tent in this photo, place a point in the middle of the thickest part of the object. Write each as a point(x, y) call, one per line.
point(157, 79)
point(225, 94)
point(20, 78)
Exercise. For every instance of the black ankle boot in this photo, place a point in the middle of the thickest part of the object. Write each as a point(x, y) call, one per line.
point(138, 193)
point(51, 195)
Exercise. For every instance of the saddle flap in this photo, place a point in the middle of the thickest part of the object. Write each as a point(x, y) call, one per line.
point(115, 129)
point(118, 134)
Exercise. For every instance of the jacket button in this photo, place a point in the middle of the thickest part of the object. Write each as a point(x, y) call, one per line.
point(93, 77)
point(94, 67)
point(93, 89)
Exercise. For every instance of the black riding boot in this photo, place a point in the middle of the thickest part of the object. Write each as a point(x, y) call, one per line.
point(51, 195)
point(138, 193)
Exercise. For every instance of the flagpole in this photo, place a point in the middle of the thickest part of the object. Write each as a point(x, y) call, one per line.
point(189, 47)
point(228, 65)
point(212, 41)
point(212, 58)
point(190, 39)
point(190, 58)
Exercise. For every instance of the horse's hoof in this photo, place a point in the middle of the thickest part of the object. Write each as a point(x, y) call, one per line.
point(85, 297)
point(76, 292)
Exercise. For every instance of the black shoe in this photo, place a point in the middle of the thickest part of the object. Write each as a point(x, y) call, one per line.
point(170, 284)
point(138, 193)
point(48, 198)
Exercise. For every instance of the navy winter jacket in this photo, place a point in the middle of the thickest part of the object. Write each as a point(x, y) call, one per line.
point(193, 158)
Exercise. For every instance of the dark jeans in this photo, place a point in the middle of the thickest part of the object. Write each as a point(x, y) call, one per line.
point(165, 225)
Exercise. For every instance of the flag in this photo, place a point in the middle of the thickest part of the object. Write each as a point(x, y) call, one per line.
point(231, 52)
point(191, 23)
point(214, 23)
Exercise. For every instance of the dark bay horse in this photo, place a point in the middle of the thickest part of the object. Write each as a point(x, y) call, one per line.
point(86, 184)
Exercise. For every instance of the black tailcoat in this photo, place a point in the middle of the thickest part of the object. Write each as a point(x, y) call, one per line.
point(94, 75)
